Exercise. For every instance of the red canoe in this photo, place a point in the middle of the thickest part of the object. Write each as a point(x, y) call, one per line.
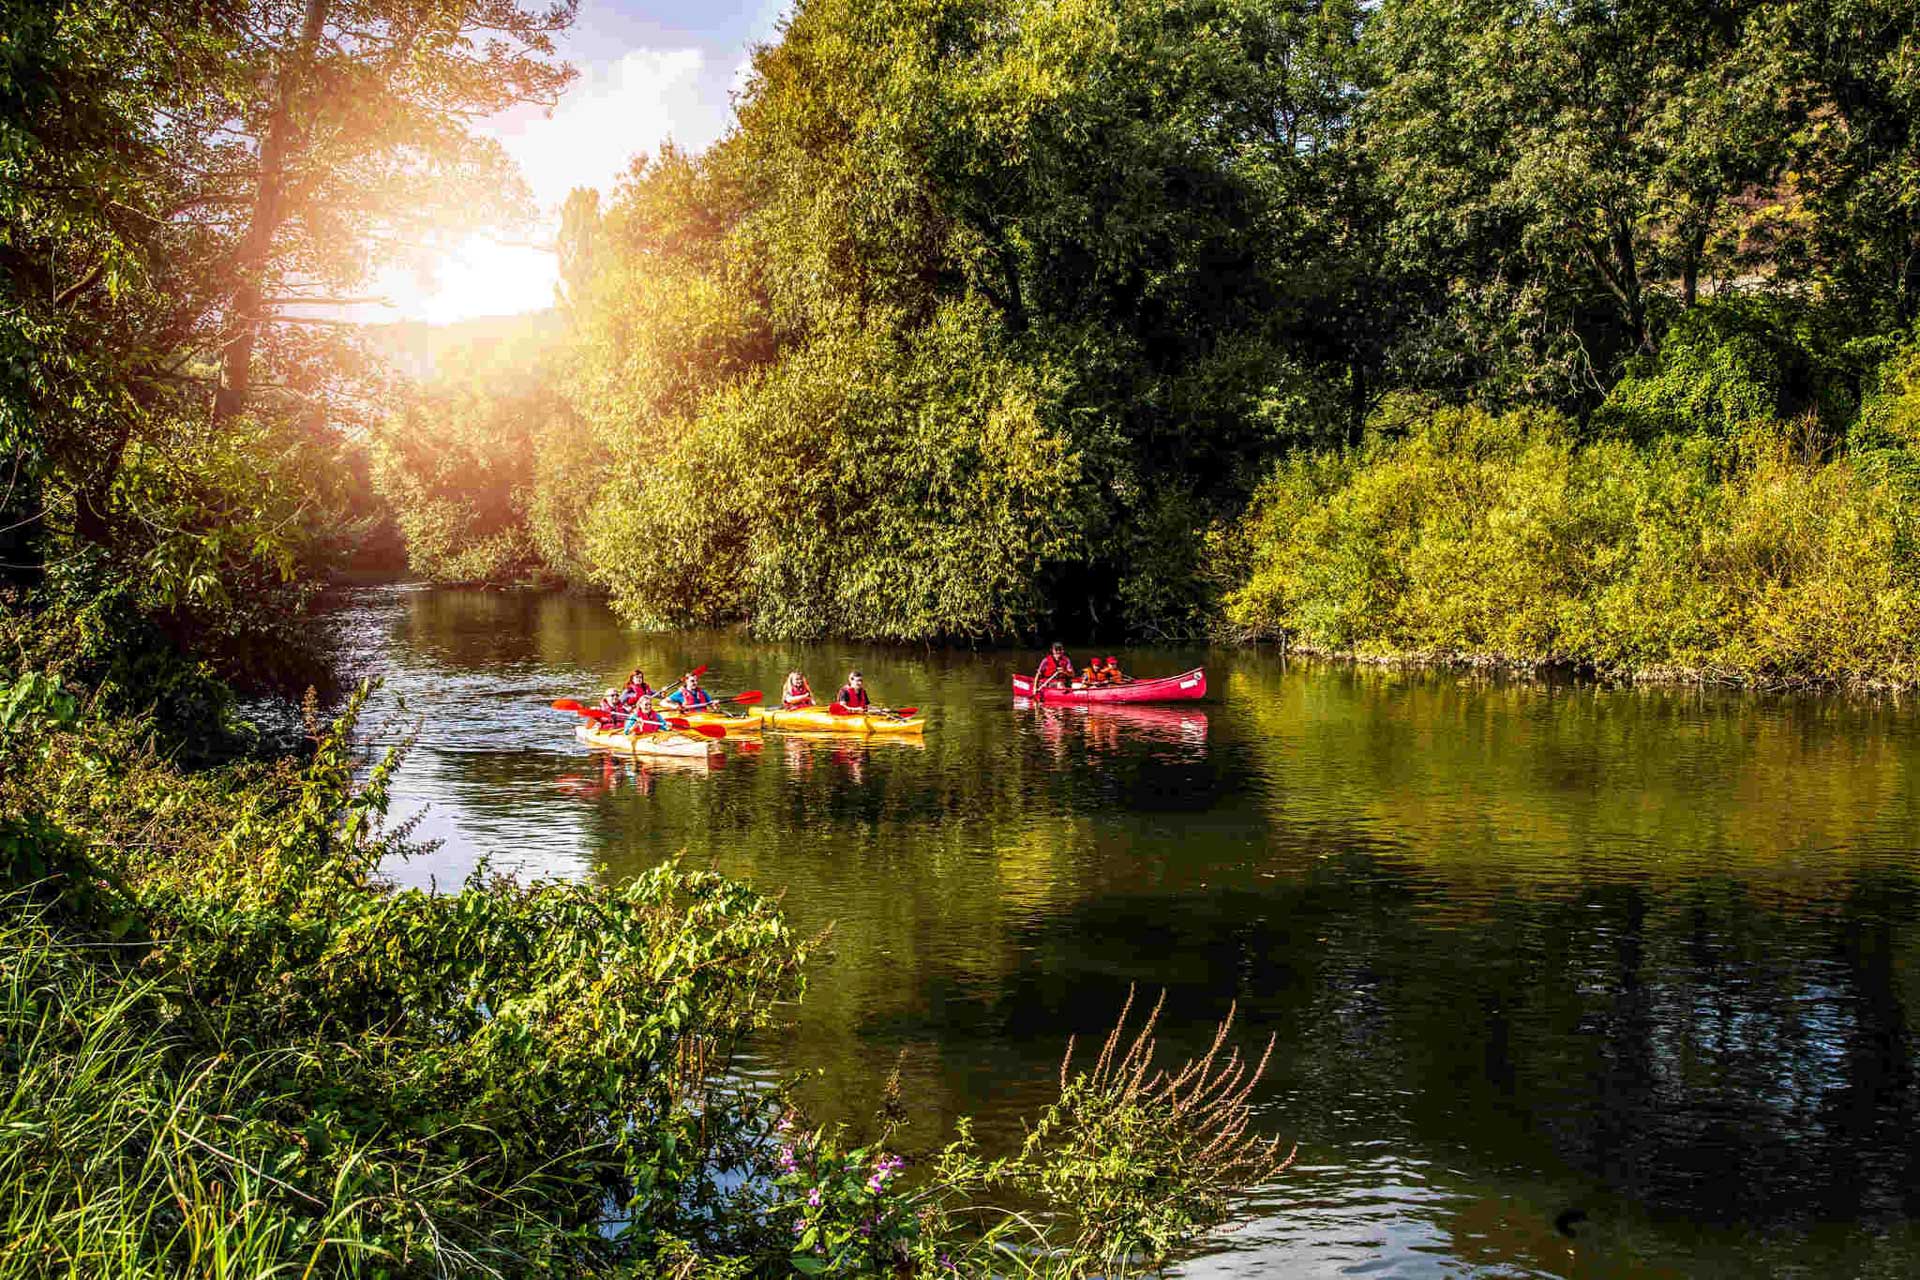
point(1185, 687)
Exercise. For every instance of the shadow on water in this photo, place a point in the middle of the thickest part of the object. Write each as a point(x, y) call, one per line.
point(1565, 981)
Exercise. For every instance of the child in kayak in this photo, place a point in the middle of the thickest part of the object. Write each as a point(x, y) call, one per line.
point(1054, 669)
point(853, 695)
point(637, 686)
point(797, 692)
point(691, 697)
point(644, 718)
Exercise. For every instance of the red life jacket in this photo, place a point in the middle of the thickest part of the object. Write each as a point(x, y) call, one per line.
point(1051, 666)
point(854, 698)
point(801, 697)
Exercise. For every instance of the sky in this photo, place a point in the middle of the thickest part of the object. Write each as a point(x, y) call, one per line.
point(650, 70)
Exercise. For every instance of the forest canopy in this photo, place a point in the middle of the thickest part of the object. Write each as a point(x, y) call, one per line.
point(985, 317)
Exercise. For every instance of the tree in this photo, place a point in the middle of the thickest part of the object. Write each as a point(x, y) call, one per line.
point(185, 187)
point(1595, 147)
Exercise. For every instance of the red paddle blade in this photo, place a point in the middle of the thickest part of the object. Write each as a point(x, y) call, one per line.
point(907, 712)
point(710, 731)
point(568, 704)
point(679, 722)
point(698, 671)
point(748, 698)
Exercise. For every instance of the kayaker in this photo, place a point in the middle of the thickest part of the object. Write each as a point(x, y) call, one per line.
point(644, 718)
point(614, 703)
point(797, 692)
point(1096, 674)
point(1055, 668)
point(1114, 675)
point(690, 696)
point(853, 695)
point(637, 686)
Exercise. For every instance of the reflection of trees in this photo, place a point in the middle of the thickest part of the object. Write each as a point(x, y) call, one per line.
point(1703, 1051)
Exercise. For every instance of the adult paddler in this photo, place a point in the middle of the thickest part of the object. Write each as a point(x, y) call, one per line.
point(690, 696)
point(1054, 669)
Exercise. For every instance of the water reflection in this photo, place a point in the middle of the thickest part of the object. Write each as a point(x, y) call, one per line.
point(1647, 955)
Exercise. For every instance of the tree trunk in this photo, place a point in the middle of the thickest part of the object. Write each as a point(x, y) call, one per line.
point(1356, 402)
point(269, 211)
point(1690, 265)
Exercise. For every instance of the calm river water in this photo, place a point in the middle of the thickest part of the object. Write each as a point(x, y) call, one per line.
point(1649, 956)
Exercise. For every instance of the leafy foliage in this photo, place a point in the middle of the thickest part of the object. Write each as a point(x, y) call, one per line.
point(232, 1048)
point(1484, 535)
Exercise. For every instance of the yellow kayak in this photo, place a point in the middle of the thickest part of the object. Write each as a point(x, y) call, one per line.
point(648, 744)
point(745, 722)
point(820, 720)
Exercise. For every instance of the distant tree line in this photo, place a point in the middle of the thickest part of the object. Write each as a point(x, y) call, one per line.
point(985, 314)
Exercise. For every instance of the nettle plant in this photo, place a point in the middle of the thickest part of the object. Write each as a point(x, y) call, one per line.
point(1133, 1162)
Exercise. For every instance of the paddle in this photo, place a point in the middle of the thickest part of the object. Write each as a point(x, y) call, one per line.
point(697, 671)
point(569, 704)
point(746, 699)
point(840, 709)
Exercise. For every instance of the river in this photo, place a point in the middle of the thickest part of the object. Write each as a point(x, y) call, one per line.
point(1636, 962)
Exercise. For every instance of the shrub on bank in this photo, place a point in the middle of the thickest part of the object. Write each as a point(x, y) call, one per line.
point(1475, 534)
point(230, 1050)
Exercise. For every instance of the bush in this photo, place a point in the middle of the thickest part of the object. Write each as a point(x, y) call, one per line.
point(1482, 535)
point(1722, 367)
point(874, 486)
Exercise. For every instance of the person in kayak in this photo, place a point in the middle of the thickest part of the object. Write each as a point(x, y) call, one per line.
point(1114, 675)
point(615, 702)
point(690, 696)
point(1054, 669)
point(853, 695)
point(644, 719)
point(796, 693)
point(637, 686)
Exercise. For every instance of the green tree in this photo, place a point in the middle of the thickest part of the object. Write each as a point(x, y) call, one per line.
point(182, 185)
point(1574, 161)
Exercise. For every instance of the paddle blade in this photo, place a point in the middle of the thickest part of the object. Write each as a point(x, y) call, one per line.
point(569, 704)
point(907, 713)
point(748, 698)
point(679, 722)
point(710, 731)
point(698, 671)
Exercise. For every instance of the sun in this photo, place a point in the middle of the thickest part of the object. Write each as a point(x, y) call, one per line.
point(481, 276)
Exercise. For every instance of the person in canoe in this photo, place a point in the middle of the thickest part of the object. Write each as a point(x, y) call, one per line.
point(1054, 669)
point(615, 702)
point(644, 718)
point(853, 694)
point(690, 696)
point(796, 692)
point(1114, 674)
point(637, 686)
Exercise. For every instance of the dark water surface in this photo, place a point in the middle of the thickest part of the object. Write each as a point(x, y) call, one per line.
point(1648, 955)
